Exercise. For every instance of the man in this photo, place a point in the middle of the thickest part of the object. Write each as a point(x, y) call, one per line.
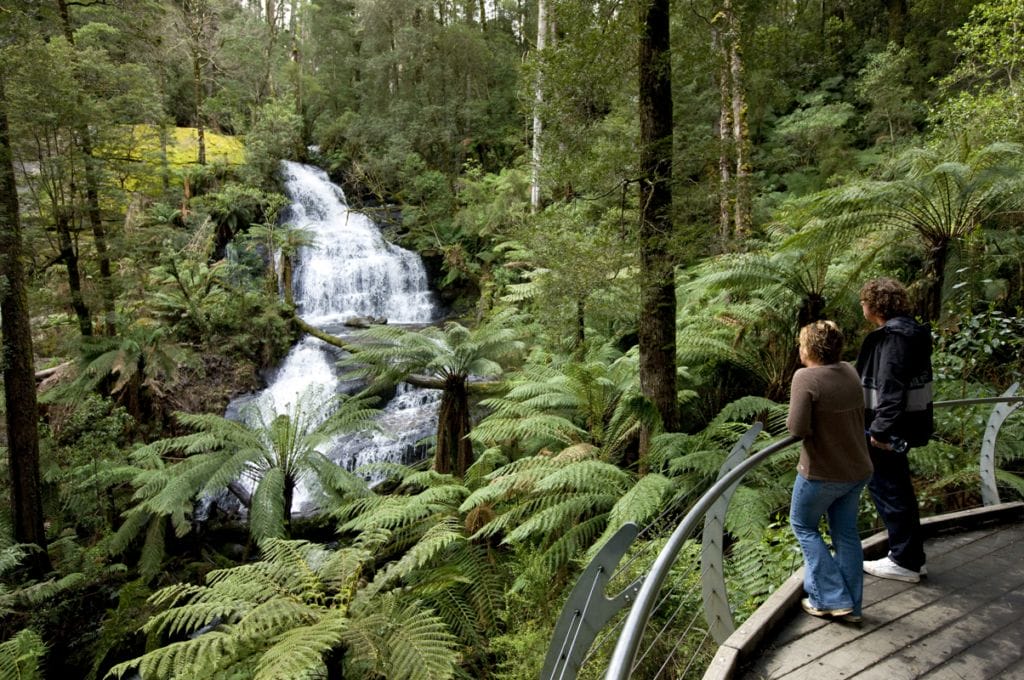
point(895, 370)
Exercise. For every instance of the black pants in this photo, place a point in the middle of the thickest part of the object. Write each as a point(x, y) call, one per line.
point(894, 497)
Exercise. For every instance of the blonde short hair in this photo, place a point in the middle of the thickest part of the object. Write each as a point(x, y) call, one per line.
point(822, 341)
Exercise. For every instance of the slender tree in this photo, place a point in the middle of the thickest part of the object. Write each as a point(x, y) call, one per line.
point(538, 103)
point(740, 134)
point(18, 368)
point(84, 138)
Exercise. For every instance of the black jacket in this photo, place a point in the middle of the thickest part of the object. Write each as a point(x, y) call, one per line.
point(895, 367)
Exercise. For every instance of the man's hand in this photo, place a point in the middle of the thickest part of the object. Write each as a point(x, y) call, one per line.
point(880, 445)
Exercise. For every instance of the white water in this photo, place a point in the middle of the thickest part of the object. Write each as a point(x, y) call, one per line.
point(351, 271)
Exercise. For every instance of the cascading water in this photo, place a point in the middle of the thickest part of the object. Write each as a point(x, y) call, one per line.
point(350, 271)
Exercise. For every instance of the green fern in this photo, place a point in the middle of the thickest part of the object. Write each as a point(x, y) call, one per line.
point(275, 452)
point(287, 616)
point(595, 400)
point(21, 656)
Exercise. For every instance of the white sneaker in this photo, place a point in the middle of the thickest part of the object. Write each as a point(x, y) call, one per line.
point(886, 568)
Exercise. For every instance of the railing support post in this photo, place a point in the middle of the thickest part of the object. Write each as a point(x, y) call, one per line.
point(989, 490)
point(717, 611)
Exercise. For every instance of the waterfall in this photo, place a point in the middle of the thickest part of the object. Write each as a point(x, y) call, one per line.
point(350, 271)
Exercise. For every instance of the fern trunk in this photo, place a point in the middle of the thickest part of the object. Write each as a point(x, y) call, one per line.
point(453, 452)
point(289, 495)
point(930, 305)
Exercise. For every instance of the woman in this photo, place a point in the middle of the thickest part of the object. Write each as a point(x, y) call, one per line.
point(826, 409)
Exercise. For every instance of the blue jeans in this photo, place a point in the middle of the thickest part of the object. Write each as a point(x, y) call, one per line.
point(831, 582)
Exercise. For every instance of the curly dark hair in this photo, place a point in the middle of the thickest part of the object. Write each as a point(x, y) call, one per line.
point(885, 297)
point(822, 341)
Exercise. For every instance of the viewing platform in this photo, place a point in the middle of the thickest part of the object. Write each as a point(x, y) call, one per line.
point(963, 621)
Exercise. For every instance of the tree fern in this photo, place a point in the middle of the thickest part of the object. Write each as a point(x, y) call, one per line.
point(273, 451)
point(289, 615)
point(450, 356)
point(932, 195)
point(595, 400)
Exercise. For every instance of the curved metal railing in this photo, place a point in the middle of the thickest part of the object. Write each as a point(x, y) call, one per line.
point(587, 610)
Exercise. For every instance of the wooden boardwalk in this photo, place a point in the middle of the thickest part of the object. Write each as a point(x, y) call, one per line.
point(965, 621)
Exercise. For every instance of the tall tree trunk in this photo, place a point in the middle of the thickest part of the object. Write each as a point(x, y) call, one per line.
point(99, 236)
point(538, 102)
point(740, 135)
point(165, 164)
point(197, 89)
point(657, 332)
point(69, 257)
point(453, 452)
point(296, 52)
point(92, 198)
point(266, 86)
point(897, 14)
point(725, 143)
point(581, 322)
point(18, 367)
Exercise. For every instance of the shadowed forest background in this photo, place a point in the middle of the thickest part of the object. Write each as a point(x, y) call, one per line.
point(626, 210)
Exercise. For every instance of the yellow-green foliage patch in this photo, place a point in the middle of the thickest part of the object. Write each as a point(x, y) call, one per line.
point(141, 146)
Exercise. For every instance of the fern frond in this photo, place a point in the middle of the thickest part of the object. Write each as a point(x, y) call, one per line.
point(562, 514)
point(573, 542)
point(642, 502)
point(427, 478)
point(300, 652)
point(587, 475)
point(38, 593)
point(21, 656)
point(153, 549)
point(421, 647)
point(267, 511)
point(189, 618)
point(1011, 480)
point(435, 541)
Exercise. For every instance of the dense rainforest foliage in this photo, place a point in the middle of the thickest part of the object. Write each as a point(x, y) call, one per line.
point(628, 208)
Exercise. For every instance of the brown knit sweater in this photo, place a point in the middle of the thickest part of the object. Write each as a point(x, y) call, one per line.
point(826, 409)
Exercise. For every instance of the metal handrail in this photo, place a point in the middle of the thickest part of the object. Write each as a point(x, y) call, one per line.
point(625, 651)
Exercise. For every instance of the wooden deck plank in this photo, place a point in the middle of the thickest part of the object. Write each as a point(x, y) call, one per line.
point(949, 642)
point(991, 657)
point(966, 620)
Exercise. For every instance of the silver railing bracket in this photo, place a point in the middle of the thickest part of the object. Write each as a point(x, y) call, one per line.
point(587, 610)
